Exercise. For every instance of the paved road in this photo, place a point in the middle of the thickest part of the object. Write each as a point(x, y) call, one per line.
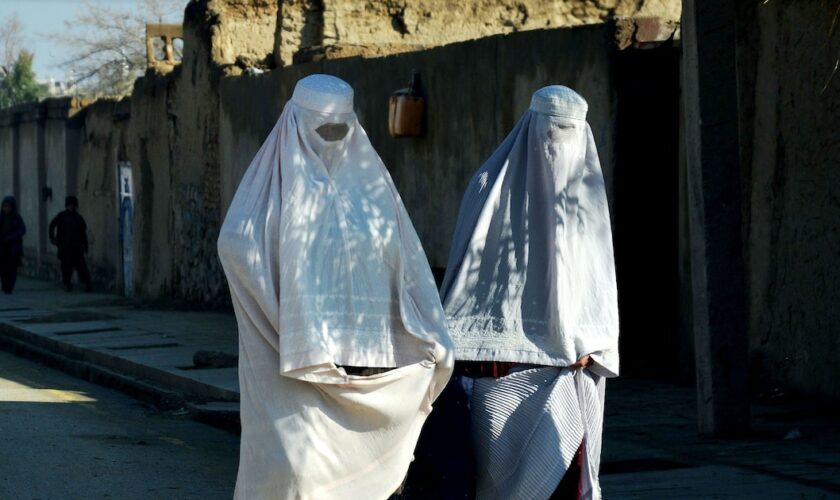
point(652, 449)
point(54, 443)
point(64, 438)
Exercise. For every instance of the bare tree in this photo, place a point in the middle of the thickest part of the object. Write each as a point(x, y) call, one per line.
point(107, 43)
point(11, 41)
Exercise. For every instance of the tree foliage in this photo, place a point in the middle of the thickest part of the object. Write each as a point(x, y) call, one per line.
point(19, 84)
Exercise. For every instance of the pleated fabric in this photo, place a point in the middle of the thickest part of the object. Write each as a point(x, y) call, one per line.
point(528, 426)
point(531, 281)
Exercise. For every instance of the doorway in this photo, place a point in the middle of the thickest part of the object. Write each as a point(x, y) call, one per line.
point(646, 205)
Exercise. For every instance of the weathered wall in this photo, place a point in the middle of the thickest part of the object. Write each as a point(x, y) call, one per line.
point(476, 91)
point(56, 169)
point(195, 161)
point(173, 148)
point(377, 27)
point(182, 168)
point(104, 129)
point(31, 171)
point(61, 156)
point(300, 24)
point(8, 173)
point(242, 31)
point(790, 118)
point(149, 151)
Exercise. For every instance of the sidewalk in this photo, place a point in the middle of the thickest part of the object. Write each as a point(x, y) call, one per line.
point(118, 342)
point(651, 448)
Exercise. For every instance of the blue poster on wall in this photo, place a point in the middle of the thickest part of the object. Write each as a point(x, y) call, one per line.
point(126, 224)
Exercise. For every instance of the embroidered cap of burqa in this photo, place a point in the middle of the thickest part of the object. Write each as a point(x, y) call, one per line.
point(326, 272)
point(531, 280)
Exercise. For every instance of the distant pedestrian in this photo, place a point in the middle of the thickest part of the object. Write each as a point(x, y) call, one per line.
point(68, 232)
point(12, 230)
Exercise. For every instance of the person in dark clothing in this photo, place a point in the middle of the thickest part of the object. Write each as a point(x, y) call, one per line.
point(68, 232)
point(12, 230)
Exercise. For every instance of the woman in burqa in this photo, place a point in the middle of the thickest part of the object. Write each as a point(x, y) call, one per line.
point(12, 230)
point(343, 344)
point(530, 299)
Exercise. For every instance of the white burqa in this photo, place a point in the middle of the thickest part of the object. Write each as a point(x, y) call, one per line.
point(326, 271)
point(531, 280)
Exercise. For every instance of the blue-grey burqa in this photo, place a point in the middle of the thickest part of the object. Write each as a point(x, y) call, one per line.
point(531, 281)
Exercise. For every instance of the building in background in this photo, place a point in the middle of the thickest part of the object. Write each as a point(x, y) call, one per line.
point(59, 88)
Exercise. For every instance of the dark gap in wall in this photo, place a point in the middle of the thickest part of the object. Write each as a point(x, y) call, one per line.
point(313, 27)
point(646, 210)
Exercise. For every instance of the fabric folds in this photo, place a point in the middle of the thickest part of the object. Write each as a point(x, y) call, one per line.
point(527, 429)
point(531, 281)
point(531, 274)
point(326, 271)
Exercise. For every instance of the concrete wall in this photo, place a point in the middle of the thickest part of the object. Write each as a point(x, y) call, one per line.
point(56, 169)
point(31, 172)
point(60, 157)
point(790, 118)
point(475, 91)
point(8, 134)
